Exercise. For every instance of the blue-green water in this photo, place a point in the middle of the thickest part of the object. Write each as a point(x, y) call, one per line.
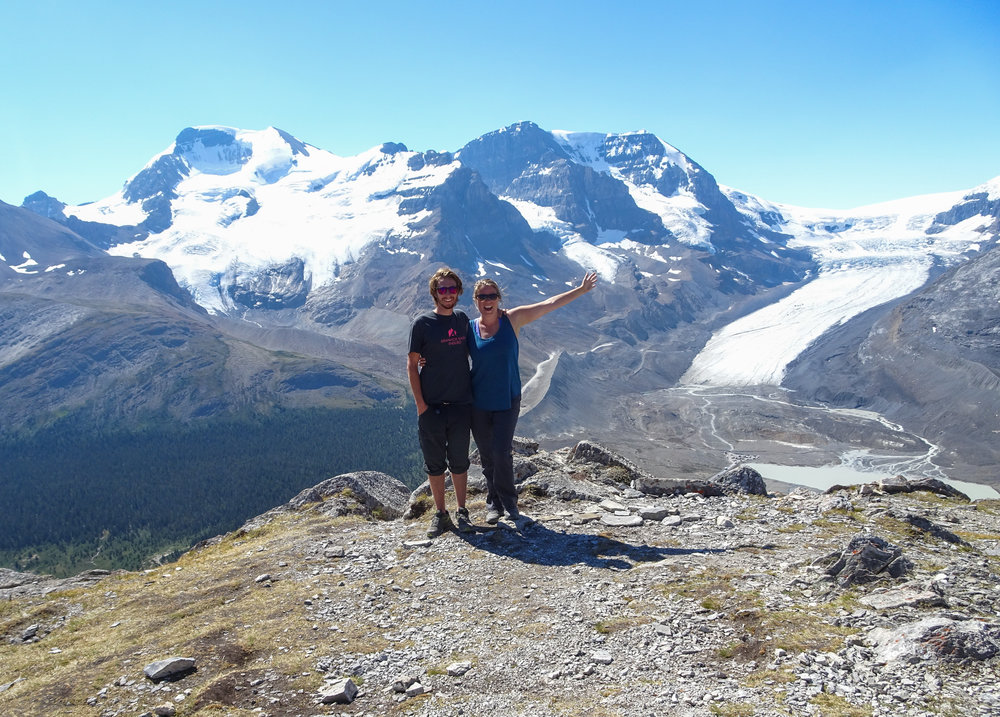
point(823, 477)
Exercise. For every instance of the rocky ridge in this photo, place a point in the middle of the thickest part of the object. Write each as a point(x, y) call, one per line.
point(631, 594)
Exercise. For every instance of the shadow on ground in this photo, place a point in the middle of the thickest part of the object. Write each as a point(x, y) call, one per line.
point(540, 545)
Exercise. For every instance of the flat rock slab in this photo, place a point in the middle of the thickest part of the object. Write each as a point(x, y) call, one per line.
point(621, 521)
point(902, 597)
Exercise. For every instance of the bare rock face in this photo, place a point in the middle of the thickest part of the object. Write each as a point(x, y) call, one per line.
point(937, 637)
point(281, 286)
point(15, 584)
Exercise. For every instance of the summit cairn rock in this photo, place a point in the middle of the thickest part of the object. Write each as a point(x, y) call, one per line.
point(867, 558)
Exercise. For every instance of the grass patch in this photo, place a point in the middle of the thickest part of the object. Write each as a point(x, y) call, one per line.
point(967, 535)
point(991, 506)
point(619, 624)
point(793, 528)
point(836, 706)
point(211, 608)
point(766, 678)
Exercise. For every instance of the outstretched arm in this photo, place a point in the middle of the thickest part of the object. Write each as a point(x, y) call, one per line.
point(521, 315)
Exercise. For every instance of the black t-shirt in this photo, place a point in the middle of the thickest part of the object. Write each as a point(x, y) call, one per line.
point(442, 341)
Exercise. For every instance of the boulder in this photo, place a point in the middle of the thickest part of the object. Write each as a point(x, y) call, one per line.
point(169, 667)
point(558, 484)
point(921, 523)
point(740, 479)
point(340, 692)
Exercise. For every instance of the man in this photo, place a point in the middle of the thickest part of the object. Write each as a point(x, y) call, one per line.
point(442, 391)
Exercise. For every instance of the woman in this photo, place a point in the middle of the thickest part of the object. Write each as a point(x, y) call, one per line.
point(496, 387)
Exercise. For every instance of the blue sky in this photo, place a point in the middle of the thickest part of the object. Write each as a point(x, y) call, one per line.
point(834, 104)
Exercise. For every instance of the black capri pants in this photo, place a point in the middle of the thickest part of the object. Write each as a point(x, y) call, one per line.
point(444, 437)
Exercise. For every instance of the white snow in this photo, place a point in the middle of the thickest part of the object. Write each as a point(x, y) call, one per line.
point(992, 189)
point(319, 207)
point(112, 210)
point(499, 265)
point(757, 348)
point(593, 258)
point(27, 266)
point(541, 218)
point(681, 214)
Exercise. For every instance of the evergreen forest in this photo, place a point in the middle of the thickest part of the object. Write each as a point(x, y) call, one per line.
point(73, 499)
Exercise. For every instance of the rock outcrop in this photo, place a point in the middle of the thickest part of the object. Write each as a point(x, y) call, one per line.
point(612, 599)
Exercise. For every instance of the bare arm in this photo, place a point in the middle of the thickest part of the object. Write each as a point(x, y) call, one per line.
point(521, 315)
point(413, 373)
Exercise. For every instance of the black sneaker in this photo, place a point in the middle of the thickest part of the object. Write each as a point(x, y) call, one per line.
point(440, 522)
point(462, 519)
point(492, 516)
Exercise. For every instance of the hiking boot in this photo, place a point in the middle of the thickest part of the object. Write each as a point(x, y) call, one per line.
point(440, 522)
point(492, 516)
point(520, 521)
point(462, 519)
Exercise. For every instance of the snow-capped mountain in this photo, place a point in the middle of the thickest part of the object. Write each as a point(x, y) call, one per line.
point(702, 285)
point(221, 205)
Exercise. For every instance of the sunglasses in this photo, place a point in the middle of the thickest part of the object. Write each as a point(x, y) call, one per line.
point(447, 289)
point(487, 297)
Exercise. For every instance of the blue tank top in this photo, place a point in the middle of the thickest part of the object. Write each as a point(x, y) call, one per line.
point(496, 381)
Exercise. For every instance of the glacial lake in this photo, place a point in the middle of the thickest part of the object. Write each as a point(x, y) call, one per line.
point(823, 477)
